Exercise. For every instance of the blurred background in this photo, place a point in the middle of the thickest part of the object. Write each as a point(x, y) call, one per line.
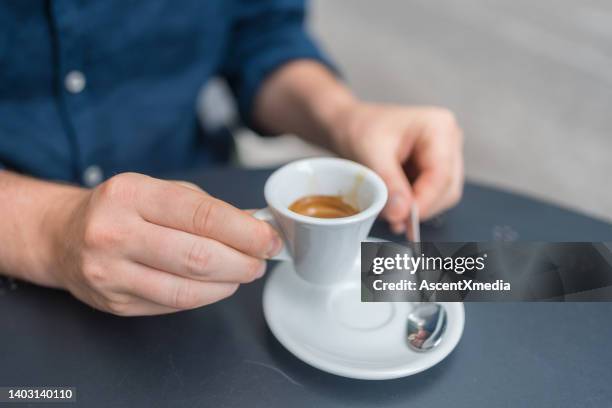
point(530, 81)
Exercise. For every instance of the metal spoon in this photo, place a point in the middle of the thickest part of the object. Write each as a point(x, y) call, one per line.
point(426, 326)
point(427, 321)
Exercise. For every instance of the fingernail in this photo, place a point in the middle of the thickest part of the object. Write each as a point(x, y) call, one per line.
point(275, 246)
point(396, 202)
point(398, 228)
point(261, 271)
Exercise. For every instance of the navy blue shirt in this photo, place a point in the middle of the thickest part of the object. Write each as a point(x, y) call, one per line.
point(111, 85)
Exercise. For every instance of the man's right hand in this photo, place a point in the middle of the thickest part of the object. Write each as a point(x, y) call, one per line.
point(136, 245)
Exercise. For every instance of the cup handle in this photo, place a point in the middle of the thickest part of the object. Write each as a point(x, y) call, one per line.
point(265, 215)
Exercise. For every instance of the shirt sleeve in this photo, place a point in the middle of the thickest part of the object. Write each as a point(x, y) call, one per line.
point(266, 34)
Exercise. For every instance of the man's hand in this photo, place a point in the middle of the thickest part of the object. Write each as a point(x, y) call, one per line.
point(136, 245)
point(416, 150)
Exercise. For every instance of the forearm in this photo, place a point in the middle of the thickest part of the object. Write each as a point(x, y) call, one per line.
point(31, 213)
point(306, 99)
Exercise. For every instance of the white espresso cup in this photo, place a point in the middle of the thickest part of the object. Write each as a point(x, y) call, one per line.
point(323, 250)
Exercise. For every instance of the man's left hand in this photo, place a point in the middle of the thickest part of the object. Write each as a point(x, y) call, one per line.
point(416, 150)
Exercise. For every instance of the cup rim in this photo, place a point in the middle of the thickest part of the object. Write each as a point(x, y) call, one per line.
point(373, 210)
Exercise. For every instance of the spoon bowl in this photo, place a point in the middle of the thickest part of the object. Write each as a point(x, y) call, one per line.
point(426, 326)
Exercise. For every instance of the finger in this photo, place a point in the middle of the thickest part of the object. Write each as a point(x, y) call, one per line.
point(129, 305)
point(190, 185)
point(170, 290)
point(442, 179)
point(142, 307)
point(178, 207)
point(400, 194)
point(137, 306)
point(429, 189)
point(192, 256)
point(398, 228)
point(454, 192)
point(435, 168)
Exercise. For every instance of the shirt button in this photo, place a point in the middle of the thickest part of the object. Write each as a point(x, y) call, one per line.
point(74, 82)
point(92, 176)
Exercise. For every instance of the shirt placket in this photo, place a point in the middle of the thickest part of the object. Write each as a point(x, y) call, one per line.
point(73, 90)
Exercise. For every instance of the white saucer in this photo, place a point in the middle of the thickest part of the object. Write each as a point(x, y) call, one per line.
point(330, 329)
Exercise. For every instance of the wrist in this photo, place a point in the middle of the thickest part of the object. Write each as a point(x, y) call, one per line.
point(62, 210)
point(342, 128)
point(334, 112)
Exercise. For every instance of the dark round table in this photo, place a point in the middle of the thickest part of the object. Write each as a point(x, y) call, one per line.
point(511, 354)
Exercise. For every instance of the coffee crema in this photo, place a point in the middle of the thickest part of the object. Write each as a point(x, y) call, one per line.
point(323, 206)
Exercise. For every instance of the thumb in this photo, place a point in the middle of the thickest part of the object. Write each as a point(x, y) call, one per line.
point(400, 193)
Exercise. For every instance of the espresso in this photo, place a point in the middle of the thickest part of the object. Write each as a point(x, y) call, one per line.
point(323, 206)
